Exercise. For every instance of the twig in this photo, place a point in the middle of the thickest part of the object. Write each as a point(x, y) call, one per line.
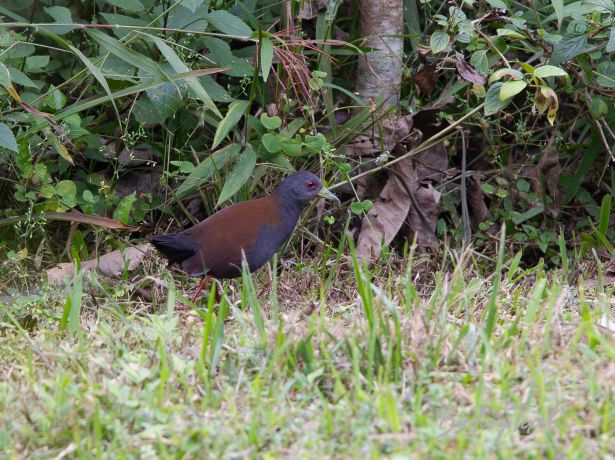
point(604, 141)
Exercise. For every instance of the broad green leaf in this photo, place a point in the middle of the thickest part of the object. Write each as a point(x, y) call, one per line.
point(610, 46)
point(480, 61)
point(239, 175)
point(499, 4)
point(290, 145)
point(61, 15)
point(511, 88)
point(120, 50)
point(493, 103)
point(271, 142)
point(7, 138)
point(232, 117)
point(500, 73)
point(567, 48)
point(193, 83)
point(123, 208)
point(360, 207)
point(438, 41)
point(504, 32)
point(134, 6)
point(526, 67)
point(518, 217)
point(5, 76)
point(56, 100)
point(59, 146)
point(315, 143)
point(605, 6)
point(270, 122)
point(34, 63)
point(549, 71)
point(229, 24)
point(67, 191)
point(606, 74)
point(266, 56)
point(598, 108)
point(207, 168)
point(558, 7)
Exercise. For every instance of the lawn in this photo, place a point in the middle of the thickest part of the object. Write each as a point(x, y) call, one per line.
point(412, 358)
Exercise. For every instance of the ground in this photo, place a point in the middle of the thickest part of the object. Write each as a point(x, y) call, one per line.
point(337, 362)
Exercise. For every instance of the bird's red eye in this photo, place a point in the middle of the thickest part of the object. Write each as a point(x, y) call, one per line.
point(310, 184)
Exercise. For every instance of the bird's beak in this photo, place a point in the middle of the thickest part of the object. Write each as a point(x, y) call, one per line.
point(326, 194)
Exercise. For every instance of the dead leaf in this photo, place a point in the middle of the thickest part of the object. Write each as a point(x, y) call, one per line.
point(394, 129)
point(426, 79)
point(550, 170)
point(71, 217)
point(310, 9)
point(467, 72)
point(135, 157)
point(432, 163)
point(423, 217)
point(387, 216)
point(110, 264)
point(479, 212)
point(136, 181)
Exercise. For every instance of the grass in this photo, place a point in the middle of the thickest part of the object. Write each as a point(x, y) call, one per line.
point(333, 363)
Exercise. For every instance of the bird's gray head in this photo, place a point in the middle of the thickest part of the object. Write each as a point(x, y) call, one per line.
point(302, 187)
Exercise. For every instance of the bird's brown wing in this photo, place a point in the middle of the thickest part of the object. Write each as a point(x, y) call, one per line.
point(222, 236)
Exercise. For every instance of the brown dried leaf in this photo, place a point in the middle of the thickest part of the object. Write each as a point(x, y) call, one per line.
point(426, 79)
point(310, 8)
point(467, 72)
point(432, 163)
point(110, 264)
point(387, 216)
point(395, 129)
point(423, 220)
point(550, 169)
point(479, 212)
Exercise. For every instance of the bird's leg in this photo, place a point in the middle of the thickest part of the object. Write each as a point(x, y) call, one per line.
point(201, 286)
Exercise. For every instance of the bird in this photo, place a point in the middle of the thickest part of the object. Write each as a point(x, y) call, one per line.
point(214, 248)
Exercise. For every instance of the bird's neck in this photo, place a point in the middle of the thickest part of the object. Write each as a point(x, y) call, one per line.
point(290, 210)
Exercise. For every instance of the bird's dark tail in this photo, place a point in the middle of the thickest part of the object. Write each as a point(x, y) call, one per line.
point(176, 247)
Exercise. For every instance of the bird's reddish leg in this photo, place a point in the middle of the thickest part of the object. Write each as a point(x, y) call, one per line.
point(201, 286)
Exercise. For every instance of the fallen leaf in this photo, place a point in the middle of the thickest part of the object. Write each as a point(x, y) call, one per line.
point(479, 212)
point(432, 163)
point(110, 264)
point(550, 170)
point(426, 79)
point(310, 9)
point(467, 72)
point(389, 212)
point(423, 217)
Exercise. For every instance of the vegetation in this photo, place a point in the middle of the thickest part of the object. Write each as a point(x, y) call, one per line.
point(474, 317)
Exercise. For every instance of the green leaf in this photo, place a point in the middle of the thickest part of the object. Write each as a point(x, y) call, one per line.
point(488, 188)
point(567, 48)
point(7, 138)
point(549, 71)
point(503, 32)
point(315, 143)
point(480, 61)
point(499, 4)
point(290, 145)
point(598, 108)
point(271, 122)
point(207, 168)
point(271, 142)
point(360, 207)
point(62, 15)
point(55, 100)
point(606, 74)
point(5, 76)
point(229, 24)
point(518, 217)
point(122, 211)
point(493, 103)
point(232, 117)
point(439, 41)
point(193, 83)
point(134, 6)
point(610, 46)
point(120, 50)
point(511, 88)
point(239, 175)
point(558, 7)
point(67, 191)
point(604, 6)
point(266, 57)
point(34, 63)
point(514, 74)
